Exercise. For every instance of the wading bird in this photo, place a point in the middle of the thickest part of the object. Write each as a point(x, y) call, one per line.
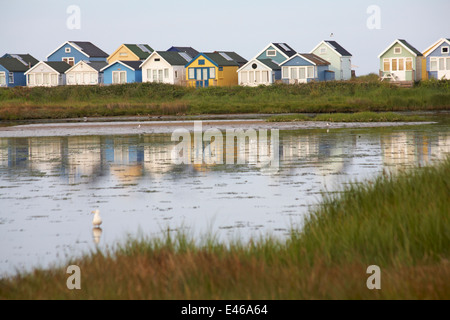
point(97, 221)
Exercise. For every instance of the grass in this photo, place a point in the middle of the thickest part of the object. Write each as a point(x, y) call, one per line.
point(348, 117)
point(362, 94)
point(400, 223)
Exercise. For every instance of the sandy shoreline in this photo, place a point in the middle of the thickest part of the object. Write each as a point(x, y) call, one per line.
point(153, 127)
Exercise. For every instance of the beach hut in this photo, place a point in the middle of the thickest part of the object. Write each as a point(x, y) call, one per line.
point(119, 72)
point(212, 69)
point(12, 72)
point(47, 74)
point(73, 52)
point(189, 50)
point(130, 52)
point(85, 73)
point(436, 60)
point(166, 67)
point(400, 62)
point(338, 57)
point(259, 72)
point(305, 67)
point(278, 52)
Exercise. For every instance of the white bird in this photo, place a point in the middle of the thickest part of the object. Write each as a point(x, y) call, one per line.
point(97, 221)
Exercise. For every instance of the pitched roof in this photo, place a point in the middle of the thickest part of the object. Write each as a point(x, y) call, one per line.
point(410, 47)
point(59, 66)
point(221, 60)
point(174, 58)
point(233, 55)
point(136, 65)
point(141, 50)
point(318, 61)
point(97, 65)
point(90, 49)
point(285, 48)
point(189, 50)
point(13, 65)
point(433, 47)
point(405, 44)
point(26, 59)
point(339, 49)
point(270, 63)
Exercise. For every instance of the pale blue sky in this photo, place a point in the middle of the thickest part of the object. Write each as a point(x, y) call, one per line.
point(39, 27)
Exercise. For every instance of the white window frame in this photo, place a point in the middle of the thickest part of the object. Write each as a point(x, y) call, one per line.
point(212, 73)
point(166, 73)
point(323, 50)
point(285, 72)
point(3, 75)
point(441, 63)
point(191, 73)
point(446, 47)
point(67, 50)
point(399, 50)
point(68, 60)
point(435, 62)
point(119, 72)
point(11, 77)
point(269, 51)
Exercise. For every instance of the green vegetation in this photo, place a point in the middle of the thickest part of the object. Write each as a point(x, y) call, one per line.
point(363, 94)
point(348, 117)
point(400, 223)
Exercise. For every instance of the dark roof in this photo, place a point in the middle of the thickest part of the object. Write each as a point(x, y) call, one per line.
point(97, 65)
point(338, 48)
point(26, 59)
point(220, 60)
point(281, 46)
point(90, 49)
point(13, 65)
point(410, 47)
point(133, 64)
point(189, 50)
point(270, 63)
point(233, 55)
point(315, 59)
point(59, 66)
point(136, 49)
point(174, 58)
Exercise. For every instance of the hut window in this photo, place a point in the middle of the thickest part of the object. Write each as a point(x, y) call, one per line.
point(285, 71)
point(191, 73)
point(293, 73)
point(444, 49)
point(301, 73)
point(212, 72)
point(157, 59)
point(53, 79)
point(67, 50)
point(401, 65)
point(11, 77)
point(166, 73)
point(409, 64)
point(93, 77)
point(441, 64)
point(220, 68)
point(201, 62)
point(254, 66)
point(70, 60)
point(176, 74)
point(448, 63)
point(244, 77)
point(265, 76)
point(3, 79)
point(433, 64)
point(149, 74)
point(30, 79)
point(310, 72)
point(123, 54)
point(394, 65)
point(397, 50)
point(323, 50)
point(271, 53)
point(386, 65)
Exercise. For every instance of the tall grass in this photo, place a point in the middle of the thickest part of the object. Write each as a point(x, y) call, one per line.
point(400, 223)
point(147, 98)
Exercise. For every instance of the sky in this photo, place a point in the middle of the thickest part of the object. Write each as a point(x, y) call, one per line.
point(363, 27)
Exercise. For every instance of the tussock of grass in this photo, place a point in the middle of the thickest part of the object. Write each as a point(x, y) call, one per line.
point(156, 98)
point(348, 117)
point(400, 223)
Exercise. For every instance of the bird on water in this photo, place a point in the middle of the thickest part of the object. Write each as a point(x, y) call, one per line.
point(97, 221)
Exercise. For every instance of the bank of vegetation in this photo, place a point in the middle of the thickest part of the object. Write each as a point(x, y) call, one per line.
point(143, 99)
point(397, 222)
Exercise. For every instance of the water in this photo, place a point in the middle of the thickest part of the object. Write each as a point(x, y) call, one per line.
point(49, 186)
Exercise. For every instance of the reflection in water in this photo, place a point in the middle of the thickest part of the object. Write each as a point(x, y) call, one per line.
point(54, 181)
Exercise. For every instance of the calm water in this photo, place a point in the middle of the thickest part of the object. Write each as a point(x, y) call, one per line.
point(50, 185)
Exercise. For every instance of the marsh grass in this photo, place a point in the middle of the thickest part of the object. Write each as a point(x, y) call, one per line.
point(349, 117)
point(155, 98)
point(398, 222)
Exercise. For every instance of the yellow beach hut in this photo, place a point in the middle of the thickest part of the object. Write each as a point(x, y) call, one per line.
point(212, 69)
